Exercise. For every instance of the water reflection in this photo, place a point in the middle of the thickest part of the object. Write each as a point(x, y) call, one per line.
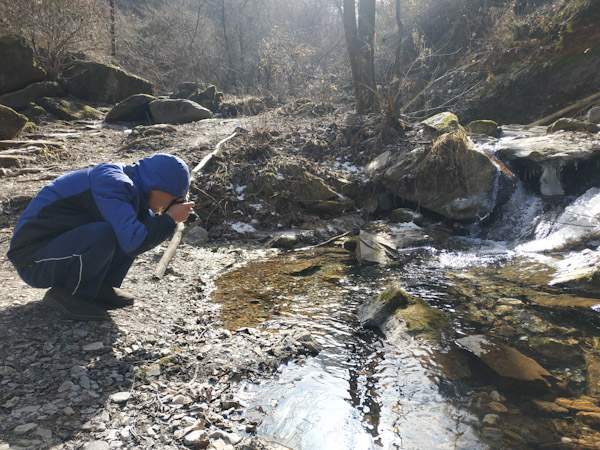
point(358, 393)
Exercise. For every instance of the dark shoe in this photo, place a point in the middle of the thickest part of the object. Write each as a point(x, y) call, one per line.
point(112, 297)
point(72, 307)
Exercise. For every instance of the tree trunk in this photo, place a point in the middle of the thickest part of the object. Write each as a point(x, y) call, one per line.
point(113, 40)
point(360, 41)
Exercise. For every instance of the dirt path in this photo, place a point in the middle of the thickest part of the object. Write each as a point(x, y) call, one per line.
point(158, 374)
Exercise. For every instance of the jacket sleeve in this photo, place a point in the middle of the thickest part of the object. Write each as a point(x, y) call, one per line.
point(118, 201)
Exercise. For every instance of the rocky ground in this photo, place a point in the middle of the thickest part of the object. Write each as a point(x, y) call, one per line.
point(158, 374)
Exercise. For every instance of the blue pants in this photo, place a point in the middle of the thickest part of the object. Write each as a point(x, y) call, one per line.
point(80, 261)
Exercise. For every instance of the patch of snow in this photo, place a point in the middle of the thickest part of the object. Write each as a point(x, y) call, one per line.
point(242, 227)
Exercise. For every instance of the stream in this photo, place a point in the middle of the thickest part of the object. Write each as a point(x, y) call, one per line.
point(364, 391)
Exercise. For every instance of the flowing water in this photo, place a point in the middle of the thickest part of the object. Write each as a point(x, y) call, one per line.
point(364, 391)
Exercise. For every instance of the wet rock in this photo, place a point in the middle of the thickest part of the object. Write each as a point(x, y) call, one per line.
point(374, 249)
point(556, 349)
point(420, 320)
point(543, 158)
point(579, 404)
point(20, 100)
point(452, 178)
point(495, 434)
point(441, 123)
point(519, 371)
point(549, 407)
point(491, 419)
point(18, 68)
point(376, 310)
point(592, 366)
point(177, 111)
point(497, 407)
point(567, 124)
point(103, 83)
point(589, 418)
point(11, 123)
point(487, 127)
point(593, 115)
point(132, 109)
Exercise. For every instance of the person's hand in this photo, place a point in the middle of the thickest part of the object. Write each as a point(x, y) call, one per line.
point(179, 212)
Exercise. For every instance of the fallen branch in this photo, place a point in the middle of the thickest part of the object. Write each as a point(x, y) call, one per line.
point(179, 230)
point(578, 104)
point(321, 244)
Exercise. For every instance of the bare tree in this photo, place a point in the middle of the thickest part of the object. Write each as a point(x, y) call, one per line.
point(360, 40)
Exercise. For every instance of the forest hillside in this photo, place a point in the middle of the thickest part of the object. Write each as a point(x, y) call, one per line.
point(512, 61)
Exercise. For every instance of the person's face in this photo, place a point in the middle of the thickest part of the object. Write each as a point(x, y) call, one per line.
point(159, 201)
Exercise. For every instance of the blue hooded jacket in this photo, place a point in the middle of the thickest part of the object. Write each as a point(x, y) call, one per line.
point(112, 193)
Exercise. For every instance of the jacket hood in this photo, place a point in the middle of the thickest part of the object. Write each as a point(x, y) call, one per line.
point(162, 172)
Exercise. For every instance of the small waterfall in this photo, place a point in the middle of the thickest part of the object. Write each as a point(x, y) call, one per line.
point(514, 221)
point(578, 224)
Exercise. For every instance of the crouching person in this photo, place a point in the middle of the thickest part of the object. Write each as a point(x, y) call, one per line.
point(81, 233)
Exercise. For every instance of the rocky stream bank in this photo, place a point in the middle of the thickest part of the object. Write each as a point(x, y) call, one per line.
point(485, 233)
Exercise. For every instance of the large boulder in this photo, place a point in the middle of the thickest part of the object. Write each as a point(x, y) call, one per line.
point(561, 163)
point(104, 83)
point(441, 123)
point(17, 67)
point(177, 111)
point(132, 109)
point(20, 100)
point(11, 122)
point(452, 179)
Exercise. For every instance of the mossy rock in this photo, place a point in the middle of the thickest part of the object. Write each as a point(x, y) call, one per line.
point(423, 321)
point(209, 98)
point(35, 113)
point(486, 127)
point(11, 122)
point(68, 110)
point(375, 311)
point(441, 123)
point(566, 124)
